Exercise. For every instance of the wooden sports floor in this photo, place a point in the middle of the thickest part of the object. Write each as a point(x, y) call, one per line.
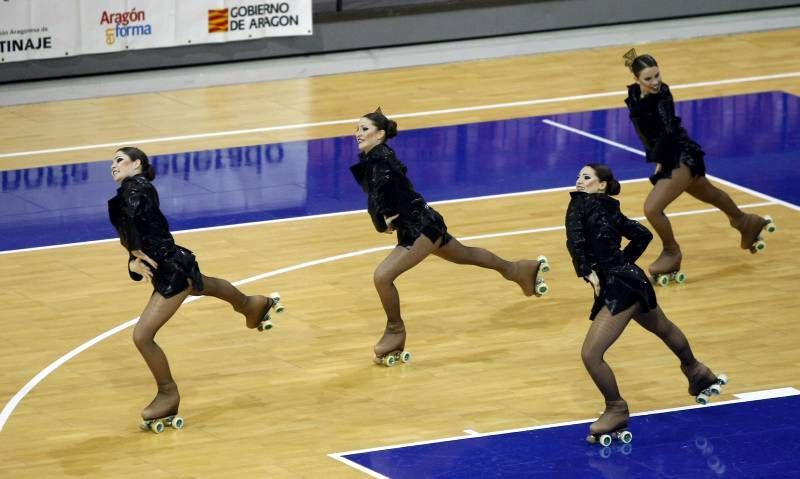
point(486, 357)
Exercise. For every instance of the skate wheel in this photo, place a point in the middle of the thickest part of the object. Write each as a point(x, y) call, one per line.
point(770, 227)
point(722, 379)
point(157, 427)
point(545, 264)
point(680, 277)
point(389, 360)
point(276, 298)
point(626, 437)
point(541, 287)
point(715, 390)
point(605, 440)
point(177, 422)
point(405, 357)
point(760, 245)
point(662, 279)
point(265, 325)
point(702, 398)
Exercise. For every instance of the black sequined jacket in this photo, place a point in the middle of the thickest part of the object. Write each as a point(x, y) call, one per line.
point(389, 191)
point(136, 216)
point(595, 228)
point(661, 132)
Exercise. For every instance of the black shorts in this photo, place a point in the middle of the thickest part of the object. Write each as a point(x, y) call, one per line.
point(622, 287)
point(692, 157)
point(175, 268)
point(422, 220)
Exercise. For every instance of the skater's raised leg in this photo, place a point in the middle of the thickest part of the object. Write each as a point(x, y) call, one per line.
point(523, 272)
point(750, 227)
point(254, 308)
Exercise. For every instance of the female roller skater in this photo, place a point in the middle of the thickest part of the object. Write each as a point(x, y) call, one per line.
point(680, 167)
point(153, 255)
point(595, 227)
point(394, 205)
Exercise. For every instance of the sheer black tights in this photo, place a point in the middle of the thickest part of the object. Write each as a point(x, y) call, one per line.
point(605, 330)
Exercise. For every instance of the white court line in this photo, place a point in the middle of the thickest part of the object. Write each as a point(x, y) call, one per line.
point(15, 400)
point(642, 153)
point(493, 106)
point(753, 396)
point(442, 202)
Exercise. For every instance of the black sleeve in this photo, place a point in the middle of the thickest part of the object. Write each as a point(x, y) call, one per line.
point(134, 276)
point(639, 237)
point(666, 146)
point(576, 236)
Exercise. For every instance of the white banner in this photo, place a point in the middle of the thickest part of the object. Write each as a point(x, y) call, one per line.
point(35, 29)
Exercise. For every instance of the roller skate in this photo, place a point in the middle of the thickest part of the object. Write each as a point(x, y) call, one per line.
point(390, 349)
point(256, 310)
point(667, 267)
point(703, 383)
point(528, 274)
point(612, 424)
point(750, 227)
point(163, 410)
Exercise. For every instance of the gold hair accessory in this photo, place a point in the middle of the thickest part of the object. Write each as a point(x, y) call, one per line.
point(379, 110)
point(629, 57)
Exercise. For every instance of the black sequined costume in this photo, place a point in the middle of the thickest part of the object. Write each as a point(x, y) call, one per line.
point(135, 214)
point(389, 192)
point(665, 140)
point(595, 227)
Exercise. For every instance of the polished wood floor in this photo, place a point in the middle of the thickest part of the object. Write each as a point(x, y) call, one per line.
point(486, 357)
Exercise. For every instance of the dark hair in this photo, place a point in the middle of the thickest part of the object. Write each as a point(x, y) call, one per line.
point(637, 63)
point(137, 154)
point(382, 123)
point(604, 173)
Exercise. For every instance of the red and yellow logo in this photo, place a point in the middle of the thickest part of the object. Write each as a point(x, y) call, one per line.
point(218, 20)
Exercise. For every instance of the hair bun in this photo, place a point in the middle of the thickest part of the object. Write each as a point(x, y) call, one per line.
point(629, 57)
point(391, 129)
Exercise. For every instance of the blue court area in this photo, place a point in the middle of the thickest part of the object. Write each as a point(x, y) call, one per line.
point(752, 140)
point(753, 439)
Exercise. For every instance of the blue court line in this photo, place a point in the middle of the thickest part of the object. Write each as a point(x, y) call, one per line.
point(753, 438)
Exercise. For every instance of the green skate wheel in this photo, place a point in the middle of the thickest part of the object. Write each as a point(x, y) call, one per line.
point(389, 360)
point(722, 379)
point(662, 279)
point(177, 422)
point(680, 277)
point(541, 287)
point(702, 398)
point(605, 440)
point(545, 264)
point(157, 427)
point(626, 437)
point(770, 227)
point(405, 357)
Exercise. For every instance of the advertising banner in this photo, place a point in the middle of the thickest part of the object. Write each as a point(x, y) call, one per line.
point(36, 29)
